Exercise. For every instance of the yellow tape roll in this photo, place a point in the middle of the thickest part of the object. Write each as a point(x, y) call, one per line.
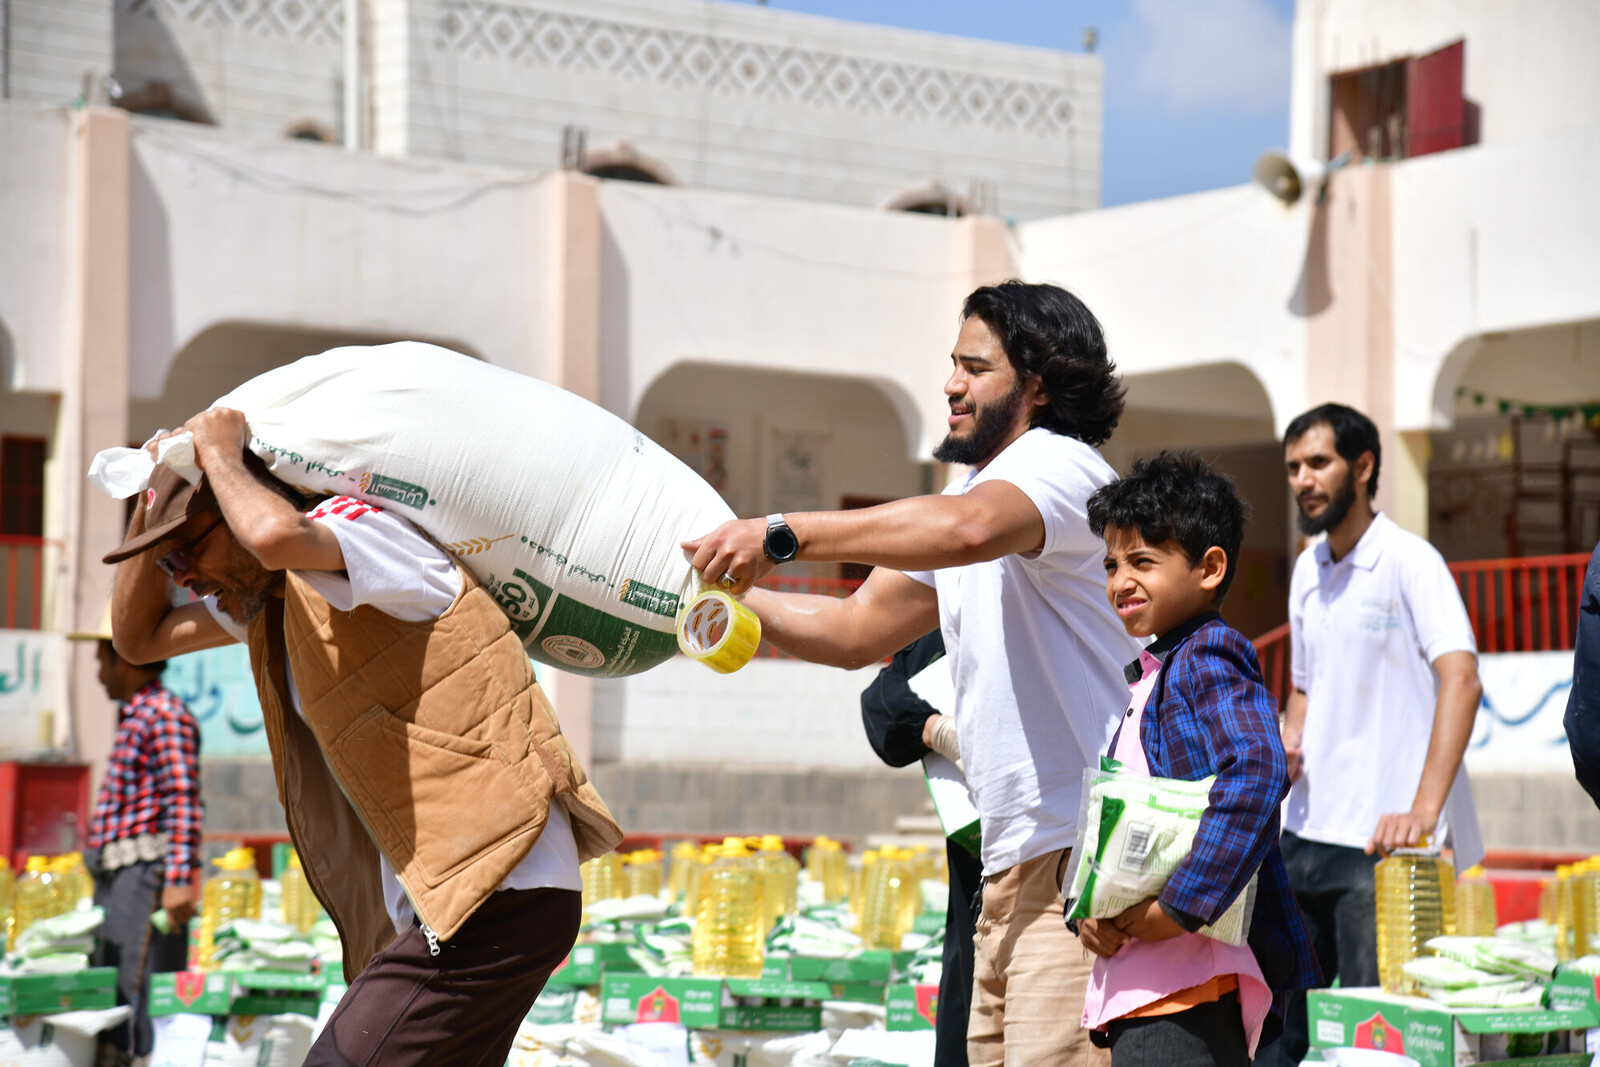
point(718, 631)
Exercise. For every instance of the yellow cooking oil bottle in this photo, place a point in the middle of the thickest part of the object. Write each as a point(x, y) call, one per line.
point(1566, 912)
point(233, 892)
point(1475, 907)
point(37, 896)
point(602, 880)
point(680, 862)
point(1581, 925)
point(77, 885)
point(826, 865)
point(780, 879)
point(885, 916)
point(729, 939)
point(641, 873)
point(8, 887)
point(1416, 901)
point(300, 907)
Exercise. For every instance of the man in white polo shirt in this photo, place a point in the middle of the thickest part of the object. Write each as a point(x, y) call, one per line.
point(1384, 666)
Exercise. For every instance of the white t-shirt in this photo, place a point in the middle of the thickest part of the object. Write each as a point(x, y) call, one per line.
point(1036, 654)
point(391, 566)
point(1364, 634)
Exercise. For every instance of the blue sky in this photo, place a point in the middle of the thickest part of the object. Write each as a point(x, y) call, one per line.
point(1195, 89)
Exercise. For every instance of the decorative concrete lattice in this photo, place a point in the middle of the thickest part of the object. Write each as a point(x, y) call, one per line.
point(316, 22)
point(480, 29)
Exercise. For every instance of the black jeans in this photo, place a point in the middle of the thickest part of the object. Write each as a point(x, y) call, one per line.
point(1334, 886)
point(1207, 1035)
point(130, 895)
point(955, 986)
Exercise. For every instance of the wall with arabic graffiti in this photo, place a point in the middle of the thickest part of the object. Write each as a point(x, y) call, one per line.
point(30, 669)
point(1519, 728)
point(217, 686)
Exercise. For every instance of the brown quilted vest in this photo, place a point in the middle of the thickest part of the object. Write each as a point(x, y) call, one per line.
point(429, 741)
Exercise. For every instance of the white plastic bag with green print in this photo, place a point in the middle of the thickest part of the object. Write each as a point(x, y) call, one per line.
point(568, 515)
point(1133, 831)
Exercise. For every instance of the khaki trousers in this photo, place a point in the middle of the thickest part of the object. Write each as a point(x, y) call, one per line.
point(1030, 974)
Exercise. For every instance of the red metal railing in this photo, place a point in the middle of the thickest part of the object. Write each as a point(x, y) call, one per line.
point(1514, 605)
point(22, 569)
point(1522, 605)
point(1272, 649)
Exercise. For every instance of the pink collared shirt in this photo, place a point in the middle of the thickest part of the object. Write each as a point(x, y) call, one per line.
point(1142, 973)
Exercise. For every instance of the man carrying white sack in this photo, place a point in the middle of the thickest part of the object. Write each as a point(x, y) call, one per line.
point(438, 810)
point(1005, 564)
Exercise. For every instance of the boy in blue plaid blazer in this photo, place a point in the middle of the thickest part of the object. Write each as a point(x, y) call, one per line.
point(1173, 529)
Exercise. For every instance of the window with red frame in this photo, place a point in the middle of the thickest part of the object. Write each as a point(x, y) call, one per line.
point(22, 486)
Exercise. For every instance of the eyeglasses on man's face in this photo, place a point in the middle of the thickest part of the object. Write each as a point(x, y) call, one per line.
point(178, 559)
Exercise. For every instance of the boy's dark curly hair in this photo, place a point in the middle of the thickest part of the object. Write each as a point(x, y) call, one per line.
point(1176, 497)
point(1048, 333)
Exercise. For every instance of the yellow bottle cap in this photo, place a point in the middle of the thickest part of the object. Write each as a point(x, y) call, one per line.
point(1563, 871)
point(237, 859)
point(771, 843)
point(1475, 871)
point(38, 863)
point(5, 864)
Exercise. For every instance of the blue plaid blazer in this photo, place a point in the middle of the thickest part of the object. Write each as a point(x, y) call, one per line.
point(1210, 713)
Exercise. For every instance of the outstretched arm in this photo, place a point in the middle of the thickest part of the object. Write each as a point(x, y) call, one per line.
point(994, 519)
point(886, 613)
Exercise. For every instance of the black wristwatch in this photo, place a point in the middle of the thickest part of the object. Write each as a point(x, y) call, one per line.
point(781, 545)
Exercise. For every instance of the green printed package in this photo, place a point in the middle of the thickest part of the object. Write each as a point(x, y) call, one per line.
point(1133, 831)
point(570, 517)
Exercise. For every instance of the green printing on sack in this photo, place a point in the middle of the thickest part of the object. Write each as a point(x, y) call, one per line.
point(412, 496)
point(1111, 810)
point(656, 601)
point(610, 646)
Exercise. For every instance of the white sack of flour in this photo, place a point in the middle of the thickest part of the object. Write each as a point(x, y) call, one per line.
point(568, 515)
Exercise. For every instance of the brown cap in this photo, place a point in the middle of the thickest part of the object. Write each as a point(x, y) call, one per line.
point(169, 501)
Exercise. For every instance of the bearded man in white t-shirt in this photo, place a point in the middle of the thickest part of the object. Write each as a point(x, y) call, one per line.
point(1384, 666)
point(437, 810)
point(1004, 563)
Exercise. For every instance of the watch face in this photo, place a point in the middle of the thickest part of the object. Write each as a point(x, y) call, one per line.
point(782, 544)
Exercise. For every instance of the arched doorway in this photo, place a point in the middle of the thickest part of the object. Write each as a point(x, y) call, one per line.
point(221, 357)
point(1221, 411)
point(1517, 473)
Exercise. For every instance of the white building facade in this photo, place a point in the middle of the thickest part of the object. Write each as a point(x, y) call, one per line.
point(755, 301)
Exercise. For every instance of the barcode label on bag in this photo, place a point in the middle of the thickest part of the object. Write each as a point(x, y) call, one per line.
point(1136, 853)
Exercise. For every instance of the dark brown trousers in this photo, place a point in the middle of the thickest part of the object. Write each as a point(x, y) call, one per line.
point(462, 1007)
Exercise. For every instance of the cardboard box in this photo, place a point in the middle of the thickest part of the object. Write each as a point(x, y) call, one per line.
point(191, 993)
point(1436, 1036)
point(46, 994)
point(873, 965)
point(586, 963)
point(712, 1003)
point(236, 993)
point(911, 1007)
point(858, 992)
